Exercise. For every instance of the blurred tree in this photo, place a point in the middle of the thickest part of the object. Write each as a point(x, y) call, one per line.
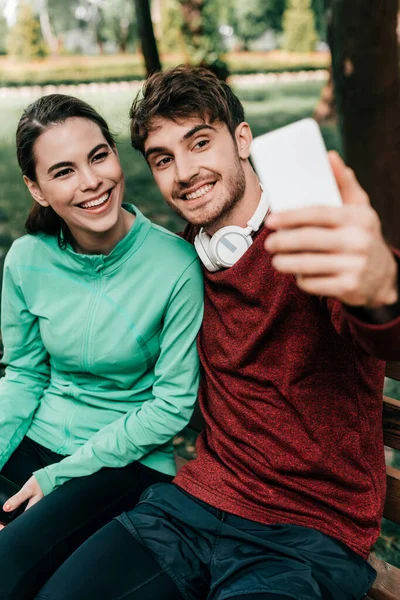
point(299, 26)
point(147, 38)
point(3, 34)
point(47, 31)
point(24, 40)
point(117, 23)
point(366, 72)
point(320, 12)
point(171, 25)
point(200, 32)
point(250, 20)
point(325, 111)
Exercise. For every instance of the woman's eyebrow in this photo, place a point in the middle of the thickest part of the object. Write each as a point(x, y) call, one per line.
point(68, 163)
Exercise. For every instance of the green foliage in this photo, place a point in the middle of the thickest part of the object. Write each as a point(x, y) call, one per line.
point(25, 40)
point(129, 67)
point(3, 35)
point(319, 8)
point(250, 20)
point(172, 24)
point(117, 23)
point(299, 27)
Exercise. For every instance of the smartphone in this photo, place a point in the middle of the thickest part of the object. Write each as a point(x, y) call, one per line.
point(8, 489)
point(293, 167)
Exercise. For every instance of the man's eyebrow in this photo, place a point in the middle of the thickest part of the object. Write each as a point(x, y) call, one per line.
point(188, 134)
point(199, 127)
point(161, 149)
point(68, 163)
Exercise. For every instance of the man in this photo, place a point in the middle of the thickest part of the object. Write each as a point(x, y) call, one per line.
point(285, 497)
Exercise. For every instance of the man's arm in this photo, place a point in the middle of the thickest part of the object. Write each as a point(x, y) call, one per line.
point(339, 253)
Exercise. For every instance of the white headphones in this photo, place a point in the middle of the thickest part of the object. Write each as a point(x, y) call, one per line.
point(228, 244)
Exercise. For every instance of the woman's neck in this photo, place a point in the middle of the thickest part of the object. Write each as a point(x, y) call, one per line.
point(103, 242)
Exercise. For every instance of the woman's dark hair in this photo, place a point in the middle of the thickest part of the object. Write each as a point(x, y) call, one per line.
point(36, 118)
point(181, 92)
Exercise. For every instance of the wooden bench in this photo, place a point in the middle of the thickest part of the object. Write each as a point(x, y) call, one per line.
point(387, 584)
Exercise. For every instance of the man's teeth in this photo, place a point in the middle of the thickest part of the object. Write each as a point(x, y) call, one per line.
point(200, 192)
point(97, 202)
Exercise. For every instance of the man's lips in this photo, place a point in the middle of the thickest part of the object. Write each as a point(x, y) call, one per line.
point(197, 191)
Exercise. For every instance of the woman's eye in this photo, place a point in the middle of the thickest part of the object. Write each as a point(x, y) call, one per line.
point(100, 156)
point(63, 172)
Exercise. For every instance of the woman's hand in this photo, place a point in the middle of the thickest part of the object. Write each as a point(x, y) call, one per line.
point(30, 491)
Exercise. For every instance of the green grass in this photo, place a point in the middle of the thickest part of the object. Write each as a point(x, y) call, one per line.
point(267, 107)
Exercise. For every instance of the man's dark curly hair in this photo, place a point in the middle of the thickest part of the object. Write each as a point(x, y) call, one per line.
point(183, 92)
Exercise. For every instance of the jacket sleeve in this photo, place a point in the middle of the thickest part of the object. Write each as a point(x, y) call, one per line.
point(26, 360)
point(164, 414)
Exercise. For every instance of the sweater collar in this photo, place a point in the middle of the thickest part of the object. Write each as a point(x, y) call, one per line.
point(125, 247)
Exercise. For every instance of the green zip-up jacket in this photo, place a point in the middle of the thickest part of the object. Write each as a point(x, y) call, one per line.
point(100, 350)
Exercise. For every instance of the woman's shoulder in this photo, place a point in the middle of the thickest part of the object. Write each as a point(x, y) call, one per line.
point(28, 245)
point(172, 243)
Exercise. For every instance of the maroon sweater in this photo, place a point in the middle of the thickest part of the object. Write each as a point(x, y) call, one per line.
point(292, 402)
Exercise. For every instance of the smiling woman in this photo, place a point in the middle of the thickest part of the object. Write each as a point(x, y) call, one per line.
point(100, 313)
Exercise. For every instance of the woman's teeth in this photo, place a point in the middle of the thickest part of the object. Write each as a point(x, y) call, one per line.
point(200, 192)
point(97, 202)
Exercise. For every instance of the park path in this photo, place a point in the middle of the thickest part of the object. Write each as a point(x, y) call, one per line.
point(117, 86)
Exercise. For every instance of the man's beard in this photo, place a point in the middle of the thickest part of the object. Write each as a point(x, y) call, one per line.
point(219, 211)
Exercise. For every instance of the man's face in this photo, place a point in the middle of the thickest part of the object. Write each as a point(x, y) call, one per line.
point(197, 167)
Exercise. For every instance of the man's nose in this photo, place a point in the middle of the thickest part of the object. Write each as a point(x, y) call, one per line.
point(185, 170)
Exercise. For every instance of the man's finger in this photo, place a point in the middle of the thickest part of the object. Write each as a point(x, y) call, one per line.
point(1, 527)
point(350, 189)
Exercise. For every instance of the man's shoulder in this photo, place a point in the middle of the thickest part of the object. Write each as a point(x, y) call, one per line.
point(189, 233)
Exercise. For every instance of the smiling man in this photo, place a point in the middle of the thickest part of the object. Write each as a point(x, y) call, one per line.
point(285, 497)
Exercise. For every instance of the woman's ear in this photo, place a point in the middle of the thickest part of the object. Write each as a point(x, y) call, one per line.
point(35, 191)
point(244, 138)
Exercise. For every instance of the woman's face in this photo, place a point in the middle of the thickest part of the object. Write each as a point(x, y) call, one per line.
point(79, 175)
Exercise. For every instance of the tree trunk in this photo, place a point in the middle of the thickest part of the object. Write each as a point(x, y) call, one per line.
point(45, 26)
point(325, 111)
point(147, 38)
point(366, 77)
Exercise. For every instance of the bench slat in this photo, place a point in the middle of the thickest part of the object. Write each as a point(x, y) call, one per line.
point(391, 422)
point(392, 503)
point(393, 370)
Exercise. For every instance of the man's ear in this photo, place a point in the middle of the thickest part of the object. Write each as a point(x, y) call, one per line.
point(244, 138)
point(35, 191)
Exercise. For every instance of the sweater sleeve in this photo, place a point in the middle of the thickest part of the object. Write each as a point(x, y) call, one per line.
point(164, 414)
point(27, 365)
point(381, 340)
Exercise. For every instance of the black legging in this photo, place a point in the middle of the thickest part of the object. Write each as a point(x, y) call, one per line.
point(34, 545)
point(112, 565)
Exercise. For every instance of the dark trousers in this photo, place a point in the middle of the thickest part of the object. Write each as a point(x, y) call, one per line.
point(112, 565)
point(34, 545)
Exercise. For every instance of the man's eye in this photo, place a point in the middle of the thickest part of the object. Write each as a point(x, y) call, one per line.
point(100, 156)
point(63, 172)
point(164, 161)
point(202, 143)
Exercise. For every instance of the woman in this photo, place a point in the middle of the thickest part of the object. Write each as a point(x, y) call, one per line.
point(99, 318)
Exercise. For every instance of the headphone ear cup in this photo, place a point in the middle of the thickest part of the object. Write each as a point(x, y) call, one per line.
point(202, 244)
point(228, 245)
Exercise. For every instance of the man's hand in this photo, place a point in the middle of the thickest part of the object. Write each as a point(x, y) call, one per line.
point(336, 251)
point(30, 491)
